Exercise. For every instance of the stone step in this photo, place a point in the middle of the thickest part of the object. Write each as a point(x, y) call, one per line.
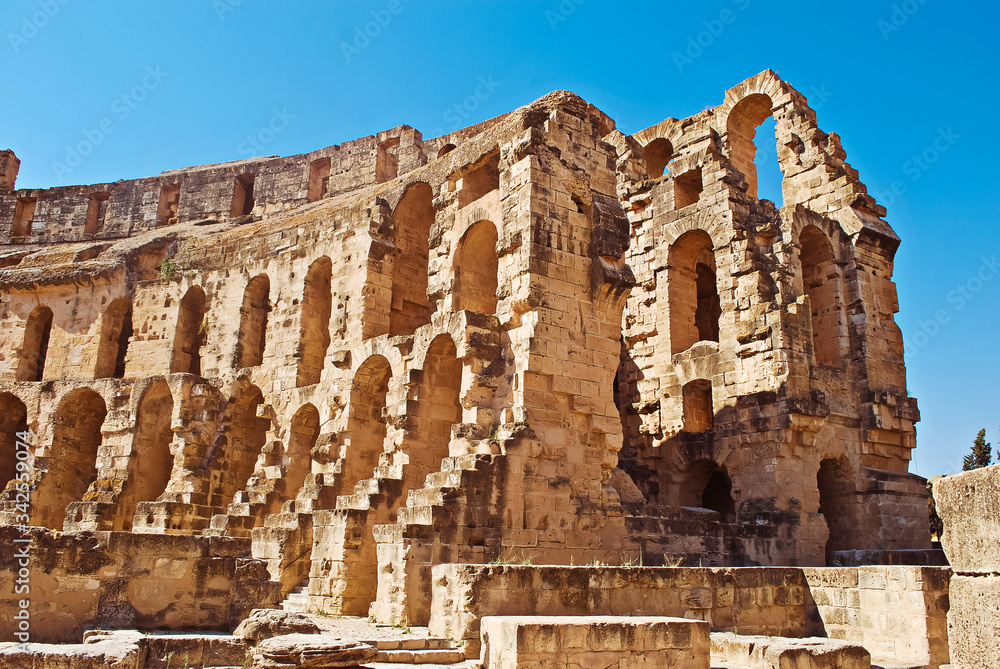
point(413, 643)
point(415, 515)
point(423, 657)
point(425, 497)
point(451, 479)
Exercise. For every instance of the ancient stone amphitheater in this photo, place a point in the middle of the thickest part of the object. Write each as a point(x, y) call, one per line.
point(535, 367)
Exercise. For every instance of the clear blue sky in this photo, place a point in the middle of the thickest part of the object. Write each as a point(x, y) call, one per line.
point(201, 78)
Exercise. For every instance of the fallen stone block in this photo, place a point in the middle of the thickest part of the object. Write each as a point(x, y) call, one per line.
point(310, 651)
point(762, 652)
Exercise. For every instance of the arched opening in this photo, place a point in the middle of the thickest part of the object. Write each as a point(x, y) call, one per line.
point(366, 425)
point(253, 322)
point(742, 128)
point(476, 269)
point(35, 347)
point(72, 459)
point(821, 282)
point(706, 485)
point(697, 406)
point(314, 335)
point(245, 434)
point(414, 216)
point(837, 503)
point(438, 409)
point(297, 463)
point(445, 150)
point(13, 420)
point(151, 462)
point(656, 155)
point(480, 181)
point(694, 305)
point(189, 337)
point(116, 332)
point(718, 496)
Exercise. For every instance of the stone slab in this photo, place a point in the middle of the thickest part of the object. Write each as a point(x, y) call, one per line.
point(594, 642)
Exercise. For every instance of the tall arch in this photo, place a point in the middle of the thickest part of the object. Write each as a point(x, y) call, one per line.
point(189, 337)
point(837, 503)
point(693, 294)
point(116, 332)
point(314, 335)
point(35, 345)
point(366, 424)
point(476, 269)
point(438, 409)
point(13, 419)
point(253, 322)
point(741, 127)
point(72, 460)
point(244, 436)
point(303, 432)
point(151, 462)
point(414, 216)
point(657, 155)
point(822, 283)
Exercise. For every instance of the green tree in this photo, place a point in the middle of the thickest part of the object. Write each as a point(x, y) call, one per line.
point(981, 455)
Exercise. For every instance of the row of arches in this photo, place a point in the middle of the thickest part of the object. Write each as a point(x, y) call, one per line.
point(71, 464)
point(695, 307)
point(115, 334)
point(476, 263)
point(759, 163)
point(476, 270)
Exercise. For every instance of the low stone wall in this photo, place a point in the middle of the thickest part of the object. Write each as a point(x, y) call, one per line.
point(969, 507)
point(899, 614)
point(755, 600)
point(119, 580)
point(534, 642)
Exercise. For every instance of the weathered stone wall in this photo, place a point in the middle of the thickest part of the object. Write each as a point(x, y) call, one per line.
point(969, 507)
point(762, 600)
point(121, 580)
point(899, 614)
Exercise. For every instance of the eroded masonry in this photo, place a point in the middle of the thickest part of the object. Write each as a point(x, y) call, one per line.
point(536, 338)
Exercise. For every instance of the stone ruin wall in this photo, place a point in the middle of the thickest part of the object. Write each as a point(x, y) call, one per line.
point(395, 353)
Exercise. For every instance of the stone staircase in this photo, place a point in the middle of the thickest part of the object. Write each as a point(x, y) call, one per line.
point(297, 599)
point(439, 487)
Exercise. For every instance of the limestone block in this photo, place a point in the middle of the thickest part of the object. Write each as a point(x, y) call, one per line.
point(969, 507)
point(310, 651)
point(594, 642)
point(974, 622)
